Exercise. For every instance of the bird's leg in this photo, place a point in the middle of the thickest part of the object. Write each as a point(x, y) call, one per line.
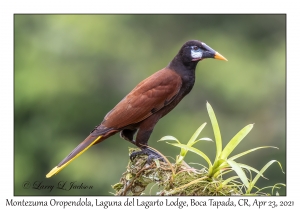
point(142, 137)
point(128, 134)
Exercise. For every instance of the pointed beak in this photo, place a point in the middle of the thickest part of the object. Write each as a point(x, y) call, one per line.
point(211, 53)
point(219, 57)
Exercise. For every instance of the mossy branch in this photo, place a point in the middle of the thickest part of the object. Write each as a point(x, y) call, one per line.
point(186, 181)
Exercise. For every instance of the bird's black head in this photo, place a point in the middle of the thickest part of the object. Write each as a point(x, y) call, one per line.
point(194, 51)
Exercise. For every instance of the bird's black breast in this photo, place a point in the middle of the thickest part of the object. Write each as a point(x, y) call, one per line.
point(186, 73)
point(188, 81)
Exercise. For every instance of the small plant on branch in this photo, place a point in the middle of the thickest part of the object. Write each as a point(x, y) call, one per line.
point(181, 179)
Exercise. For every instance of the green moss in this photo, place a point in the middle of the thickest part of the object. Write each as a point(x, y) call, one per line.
point(186, 180)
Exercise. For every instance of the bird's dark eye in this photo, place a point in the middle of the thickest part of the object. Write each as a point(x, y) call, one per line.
point(196, 48)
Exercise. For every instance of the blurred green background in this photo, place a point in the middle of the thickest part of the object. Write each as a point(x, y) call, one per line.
point(70, 70)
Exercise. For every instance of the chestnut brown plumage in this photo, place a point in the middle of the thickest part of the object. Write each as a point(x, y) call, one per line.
point(149, 101)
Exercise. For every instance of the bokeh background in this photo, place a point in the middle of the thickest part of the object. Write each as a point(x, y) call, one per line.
point(70, 70)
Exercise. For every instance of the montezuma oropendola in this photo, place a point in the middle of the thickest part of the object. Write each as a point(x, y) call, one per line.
point(149, 101)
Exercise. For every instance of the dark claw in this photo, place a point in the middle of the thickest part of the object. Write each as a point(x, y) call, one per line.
point(134, 155)
point(151, 155)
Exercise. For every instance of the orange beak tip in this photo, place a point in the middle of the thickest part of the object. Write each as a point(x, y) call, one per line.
point(220, 57)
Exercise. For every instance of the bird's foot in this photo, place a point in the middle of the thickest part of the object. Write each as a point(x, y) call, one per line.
point(147, 151)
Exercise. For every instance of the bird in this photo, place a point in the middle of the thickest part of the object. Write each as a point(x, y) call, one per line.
point(154, 97)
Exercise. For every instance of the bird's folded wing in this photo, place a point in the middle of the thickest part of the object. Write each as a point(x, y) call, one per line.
point(146, 98)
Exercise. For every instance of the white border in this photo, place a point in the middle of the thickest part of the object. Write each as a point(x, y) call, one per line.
point(8, 8)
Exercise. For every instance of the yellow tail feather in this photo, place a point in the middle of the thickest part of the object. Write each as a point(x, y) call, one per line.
point(57, 169)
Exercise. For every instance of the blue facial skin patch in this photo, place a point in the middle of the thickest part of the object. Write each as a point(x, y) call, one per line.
point(196, 53)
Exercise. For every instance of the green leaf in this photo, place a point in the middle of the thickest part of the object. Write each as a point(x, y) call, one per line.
point(202, 139)
point(205, 139)
point(216, 130)
point(275, 186)
point(195, 135)
point(267, 187)
point(190, 143)
point(218, 166)
point(221, 164)
point(192, 149)
point(179, 158)
point(223, 172)
point(250, 150)
point(229, 180)
point(252, 169)
point(235, 166)
point(170, 138)
point(251, 185)
point(235, 141)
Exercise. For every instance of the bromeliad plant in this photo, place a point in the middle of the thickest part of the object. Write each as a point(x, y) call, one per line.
point(223, 163)
point(181, 179)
